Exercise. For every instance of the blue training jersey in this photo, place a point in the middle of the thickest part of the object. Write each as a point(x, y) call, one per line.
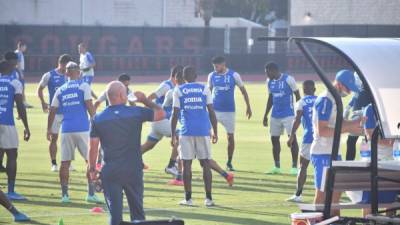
point(71, 103)
point(223, 91)
point(167, 83)
point(56, 80)
point(282, 97)
point(9, 87)
point(306, 105)
point(192, 99)
point(370, 123)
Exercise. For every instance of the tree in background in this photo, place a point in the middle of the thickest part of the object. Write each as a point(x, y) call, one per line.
point(206, 10)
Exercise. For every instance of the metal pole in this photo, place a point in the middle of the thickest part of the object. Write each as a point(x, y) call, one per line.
point(374, 171)
point(338, 125)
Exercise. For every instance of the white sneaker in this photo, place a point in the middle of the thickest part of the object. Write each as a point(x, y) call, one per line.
point(186, 202)
point(54, 168)
point(71, 168)
point(294, 198)
point(173, 171)
point(208, 202)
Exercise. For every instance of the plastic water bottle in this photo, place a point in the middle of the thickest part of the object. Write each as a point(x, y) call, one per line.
point(396, 150)
point(365, 150)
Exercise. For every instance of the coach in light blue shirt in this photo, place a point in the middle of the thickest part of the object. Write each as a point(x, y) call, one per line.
point(119, 129)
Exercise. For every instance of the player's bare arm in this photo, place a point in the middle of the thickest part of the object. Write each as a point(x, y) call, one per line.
point(249, 113)
point(22, 115)
point(296, 124)
point(214, 123)
point(267, 110)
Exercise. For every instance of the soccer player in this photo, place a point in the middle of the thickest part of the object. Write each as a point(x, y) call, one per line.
point(303, 116)
point(21, 48)
point(193, 102)
point(162, 128)
point(323, 120)
point(53, 80)
point(222, 82)
point(10, 92)
point(18, 216)
point(86, 64)
point(118, 128)
point(281, 88)
point(74, 101)
point(167, 106)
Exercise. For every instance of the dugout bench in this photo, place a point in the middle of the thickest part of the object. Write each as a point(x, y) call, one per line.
point(376, 61)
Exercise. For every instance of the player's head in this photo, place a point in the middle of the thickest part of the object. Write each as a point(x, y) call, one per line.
point(82, 48)
point(309, 87)
point(125, 79)
point(21, 46)
point(116, 93)
point(189, 74)
point(272, 70)
point(174, 71)
point(11, 57)
point(5, 67)
point(63, 60)
point(219, 64)
point(72, 70)
point(345, 83)
point(179, 77)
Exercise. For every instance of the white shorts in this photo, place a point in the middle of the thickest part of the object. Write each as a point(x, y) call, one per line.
point(192, 147)
point(305, 151)
point(8, 137)
point(55, 127)
point(277, 125)
point(159, 130)
point(71, 141)
point(227, 119)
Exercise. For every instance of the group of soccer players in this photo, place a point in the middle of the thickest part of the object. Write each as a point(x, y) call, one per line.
point(197, 107)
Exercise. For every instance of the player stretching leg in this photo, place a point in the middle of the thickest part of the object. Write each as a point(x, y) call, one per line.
point(222, 82)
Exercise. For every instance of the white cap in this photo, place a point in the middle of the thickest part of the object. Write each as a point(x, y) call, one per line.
point(72, 65)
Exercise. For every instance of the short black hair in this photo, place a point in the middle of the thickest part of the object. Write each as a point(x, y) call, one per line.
point(124, 77)
point(189, 73)
point(271, 66)
point(176, 69)
point(218, 60)
point(4, 65)
point(309, 83)
point(64, 59)
point(10, 56)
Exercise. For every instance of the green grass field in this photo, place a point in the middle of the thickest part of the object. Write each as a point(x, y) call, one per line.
point(255, 198)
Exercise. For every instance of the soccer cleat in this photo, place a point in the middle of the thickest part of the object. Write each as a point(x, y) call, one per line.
point(175, 182)
point(229, 167)
point(274, 170)
point(293, 171)
point(93, 199)
point(186, 202)
point(209, 202)
point(14, 196)
point(54, 168)
point(230, 178)
point(20, 217)
point(172, 170)
point(65, 199)
point(294, 198)
point(71, 168)
point(99, 166)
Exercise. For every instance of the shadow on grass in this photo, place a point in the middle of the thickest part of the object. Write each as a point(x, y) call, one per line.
point(211, 218)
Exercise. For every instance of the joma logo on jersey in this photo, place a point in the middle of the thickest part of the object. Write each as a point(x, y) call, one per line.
point(69, 96)
point(191, 90)
point(194, 99)
point(3, 88)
